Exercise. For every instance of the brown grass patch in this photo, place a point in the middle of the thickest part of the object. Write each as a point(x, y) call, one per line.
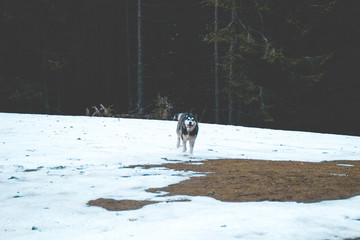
point(122, 205)
point(119, 205)
point(235, 180)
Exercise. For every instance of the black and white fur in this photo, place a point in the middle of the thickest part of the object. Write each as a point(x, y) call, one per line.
point(187, 129)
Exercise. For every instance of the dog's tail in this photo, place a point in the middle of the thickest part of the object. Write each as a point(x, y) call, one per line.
point(178, 116)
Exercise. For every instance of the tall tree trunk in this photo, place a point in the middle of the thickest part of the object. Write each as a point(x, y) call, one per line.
point(58, 92)
point(130, 98)
point(45, 96)
point(216, 68)
point(139, 64)
point(231, 71)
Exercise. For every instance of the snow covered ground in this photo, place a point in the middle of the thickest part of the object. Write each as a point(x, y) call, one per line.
point(51, 166)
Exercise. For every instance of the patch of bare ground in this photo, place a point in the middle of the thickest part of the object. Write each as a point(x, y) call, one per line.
point(119, 205)
point(122, 205)
point(237, 180)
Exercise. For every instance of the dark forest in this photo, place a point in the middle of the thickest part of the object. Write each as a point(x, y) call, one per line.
point(265, 63)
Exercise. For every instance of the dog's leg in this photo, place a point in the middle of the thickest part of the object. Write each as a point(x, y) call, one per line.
point(178, 141)
point(191, 144)
point(178, 133)
point(184, 144)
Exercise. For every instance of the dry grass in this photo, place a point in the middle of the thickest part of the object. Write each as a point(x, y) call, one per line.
point(236, 180)
point(115, 205)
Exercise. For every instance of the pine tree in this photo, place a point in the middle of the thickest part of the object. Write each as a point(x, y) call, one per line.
point(140, 83)
point(128, 63)
point(216, 67)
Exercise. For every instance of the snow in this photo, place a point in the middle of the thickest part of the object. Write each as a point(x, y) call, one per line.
point(51, 166)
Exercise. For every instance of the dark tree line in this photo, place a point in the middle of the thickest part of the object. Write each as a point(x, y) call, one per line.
point(280, 64)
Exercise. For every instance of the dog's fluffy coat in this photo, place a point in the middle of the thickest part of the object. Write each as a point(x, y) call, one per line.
point(187, 129)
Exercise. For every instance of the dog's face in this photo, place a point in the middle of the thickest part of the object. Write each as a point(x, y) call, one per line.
point(190, 122)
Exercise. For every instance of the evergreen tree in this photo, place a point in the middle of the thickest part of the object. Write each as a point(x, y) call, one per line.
point(281, 64)
point(140, 92)
point(216, 67)
point(258, 94)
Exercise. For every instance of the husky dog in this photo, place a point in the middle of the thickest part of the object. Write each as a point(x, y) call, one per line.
point(187, 129)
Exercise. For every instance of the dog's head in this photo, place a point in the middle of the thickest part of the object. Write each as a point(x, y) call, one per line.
point(190, 121)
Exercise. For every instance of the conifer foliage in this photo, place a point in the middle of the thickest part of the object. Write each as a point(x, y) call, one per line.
point(280, 64)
